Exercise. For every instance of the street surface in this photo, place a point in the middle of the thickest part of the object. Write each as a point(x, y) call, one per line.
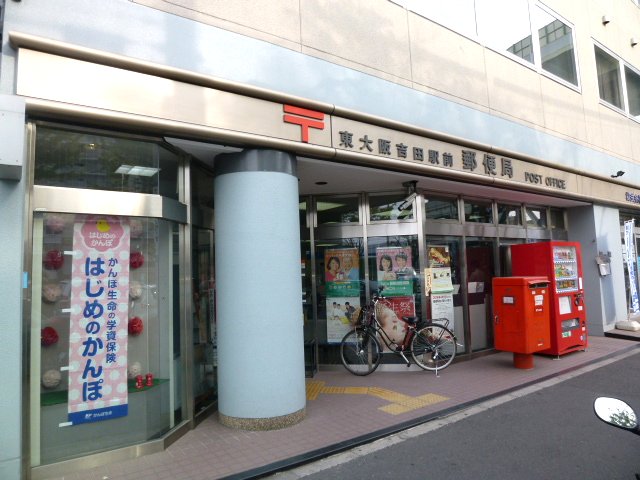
point(546, 432)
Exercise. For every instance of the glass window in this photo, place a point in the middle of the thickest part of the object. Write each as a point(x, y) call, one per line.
point(556, 46)
point(393, 263)
point(442, 289)
point(505, 26)
point(337, 210)
point(633, 91)
point(340, 291)
point(509, 214)
point(201, 186)
point(478, 212)
point(609, 83)
point(130, 351)
point(389, 207)
point(556, 218)
point(441, 208)
point(302, 212)
point(100, 162)
point(536, 217)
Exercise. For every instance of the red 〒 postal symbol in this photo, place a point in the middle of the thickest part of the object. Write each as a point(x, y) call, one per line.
point(305, 118)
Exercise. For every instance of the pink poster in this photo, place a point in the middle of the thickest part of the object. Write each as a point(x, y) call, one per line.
point(98, 322)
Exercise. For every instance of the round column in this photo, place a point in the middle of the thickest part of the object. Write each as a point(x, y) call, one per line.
point(261, 378)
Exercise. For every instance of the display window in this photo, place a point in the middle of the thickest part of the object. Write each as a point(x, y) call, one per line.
point(444, 298)
point(105, 336)
point(394, 265)
point(97, 161)
point(340, 286)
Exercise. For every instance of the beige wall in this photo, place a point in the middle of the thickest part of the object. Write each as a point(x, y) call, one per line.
point(383, 39)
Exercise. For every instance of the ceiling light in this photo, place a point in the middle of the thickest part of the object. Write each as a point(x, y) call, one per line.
point(137, 170)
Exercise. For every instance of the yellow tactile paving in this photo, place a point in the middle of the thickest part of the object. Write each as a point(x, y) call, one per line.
point(313, 389)
point(398, 402)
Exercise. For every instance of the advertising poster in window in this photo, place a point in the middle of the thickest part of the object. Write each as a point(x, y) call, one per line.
point(438, 256)
point(390, 313)
point(438, 282)
point(98, 320)
point(629, 225)
point(341, 312)
point(395, 271)
point(342, 272)
point(438, 272)
point(442, 307)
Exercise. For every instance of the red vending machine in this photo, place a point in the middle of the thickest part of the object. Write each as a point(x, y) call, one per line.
point(561, 262)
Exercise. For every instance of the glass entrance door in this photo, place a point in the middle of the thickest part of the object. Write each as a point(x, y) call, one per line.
point(204, 325)
point(480, 271)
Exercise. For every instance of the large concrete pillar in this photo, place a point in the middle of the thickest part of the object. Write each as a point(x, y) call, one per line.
point(261, 379)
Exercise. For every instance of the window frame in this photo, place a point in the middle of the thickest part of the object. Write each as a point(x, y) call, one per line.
point(536, 65)
point(427, 196)
point(316, 220)
point(401, 195)
point(622, 66)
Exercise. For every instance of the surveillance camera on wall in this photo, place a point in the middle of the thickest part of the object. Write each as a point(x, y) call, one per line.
point(408, 202)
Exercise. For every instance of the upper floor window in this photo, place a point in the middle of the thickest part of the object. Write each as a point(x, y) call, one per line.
point(615, 78)
point(530, 32)
point(609, 78)
point(524, 29)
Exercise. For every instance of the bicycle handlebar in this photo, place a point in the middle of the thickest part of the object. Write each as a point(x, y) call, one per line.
point(378, 294)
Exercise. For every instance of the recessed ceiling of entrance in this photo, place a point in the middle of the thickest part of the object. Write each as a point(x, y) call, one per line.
point(319, 177)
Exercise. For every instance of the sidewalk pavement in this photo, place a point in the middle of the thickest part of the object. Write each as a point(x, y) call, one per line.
point(344, 411)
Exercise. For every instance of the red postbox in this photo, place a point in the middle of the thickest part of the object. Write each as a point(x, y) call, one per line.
point(521, 317)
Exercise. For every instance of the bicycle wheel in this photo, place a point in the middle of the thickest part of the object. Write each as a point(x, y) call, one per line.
point(360, 351)
point(433, 347)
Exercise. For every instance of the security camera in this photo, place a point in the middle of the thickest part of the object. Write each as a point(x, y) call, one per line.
point(407, 202)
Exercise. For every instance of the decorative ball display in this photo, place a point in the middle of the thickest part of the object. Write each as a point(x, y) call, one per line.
point(134, 370)
point(53, 260)
point(54, 224)
point(135, 290)
point(48, 336)
point(51, 379)
point(136, 228)
point(135, 326)
point(136, 260)
point(51, 292)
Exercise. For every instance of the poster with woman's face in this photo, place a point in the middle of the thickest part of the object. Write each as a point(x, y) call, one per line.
point(342, 272)
point(392, 263)
point(341, 264)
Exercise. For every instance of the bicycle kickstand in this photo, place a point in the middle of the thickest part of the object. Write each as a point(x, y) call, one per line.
point(405, 358)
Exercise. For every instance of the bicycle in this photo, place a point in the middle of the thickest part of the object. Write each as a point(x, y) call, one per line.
point(432, 345)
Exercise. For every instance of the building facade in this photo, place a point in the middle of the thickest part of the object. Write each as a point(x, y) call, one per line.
point(196, 196)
